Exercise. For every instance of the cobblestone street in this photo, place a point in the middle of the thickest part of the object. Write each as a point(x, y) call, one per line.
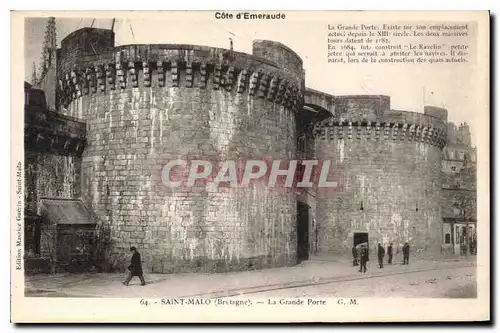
point(326, 278)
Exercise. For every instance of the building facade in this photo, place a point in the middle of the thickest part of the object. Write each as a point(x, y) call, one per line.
point(459, 192)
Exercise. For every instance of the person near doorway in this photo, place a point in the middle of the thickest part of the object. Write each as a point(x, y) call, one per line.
point(354, 256)
point(363, 256)
point(406, 254)
point(474, 245)
point(389, 254)
point(381, 254)
point(135, 267)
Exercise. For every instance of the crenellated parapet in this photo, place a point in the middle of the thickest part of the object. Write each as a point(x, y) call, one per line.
point(365, 117)
point(177, 74)
point(185, 66)
point(331, 129)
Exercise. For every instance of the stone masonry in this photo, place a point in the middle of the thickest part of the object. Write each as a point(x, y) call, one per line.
point(144, 105)
point(389, 167)
point(153, 103)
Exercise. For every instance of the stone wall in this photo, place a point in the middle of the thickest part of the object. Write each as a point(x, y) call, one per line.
point(280, 54)
point(48, 175)
point(319, 100)
point(436, 112)
point(361, 107)
point(130, 144)
point(48, 241)
point(186, 102)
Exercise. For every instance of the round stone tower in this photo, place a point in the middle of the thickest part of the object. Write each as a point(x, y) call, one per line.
point(147, 104)
point(437, 112)
point(389, 166)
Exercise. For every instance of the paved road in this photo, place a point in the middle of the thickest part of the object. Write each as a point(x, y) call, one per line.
point(436, 283)
point(422, 278)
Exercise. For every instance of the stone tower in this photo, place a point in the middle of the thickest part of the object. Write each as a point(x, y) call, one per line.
point(147, 104)
point(464, 134)
point(388, 162)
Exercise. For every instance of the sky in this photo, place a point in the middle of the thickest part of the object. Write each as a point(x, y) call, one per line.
point(409, 86)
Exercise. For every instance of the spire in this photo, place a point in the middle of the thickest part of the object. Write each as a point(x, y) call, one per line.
point(49, 45)
point(33, 75)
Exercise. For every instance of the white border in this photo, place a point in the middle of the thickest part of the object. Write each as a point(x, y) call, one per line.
point(260, 4)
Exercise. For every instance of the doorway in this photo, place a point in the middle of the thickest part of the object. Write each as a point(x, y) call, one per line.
point(302, 231)
point(359, 238)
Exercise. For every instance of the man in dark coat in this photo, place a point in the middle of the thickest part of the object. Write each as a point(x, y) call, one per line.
point(389, 253)
point(354, 256)
point(363, 256)
point(135, 267)
point(406, 254)
point(381, 254)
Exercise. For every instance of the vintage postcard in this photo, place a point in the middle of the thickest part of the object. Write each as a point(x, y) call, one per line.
point(244, 166)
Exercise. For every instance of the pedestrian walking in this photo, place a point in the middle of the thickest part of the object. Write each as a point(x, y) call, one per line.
point(354, 256)
point(135, 267)
point(406, 254)
point(363, 256)
point(389, 254)
point(381, 254)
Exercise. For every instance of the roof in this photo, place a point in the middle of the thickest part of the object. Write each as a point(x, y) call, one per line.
point(66, 211)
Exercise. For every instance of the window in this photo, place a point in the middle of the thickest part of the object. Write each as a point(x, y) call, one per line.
point(447, 233)
point(453, 168)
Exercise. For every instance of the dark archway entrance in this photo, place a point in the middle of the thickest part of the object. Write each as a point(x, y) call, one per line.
point(302, 231)
point(359, 238)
